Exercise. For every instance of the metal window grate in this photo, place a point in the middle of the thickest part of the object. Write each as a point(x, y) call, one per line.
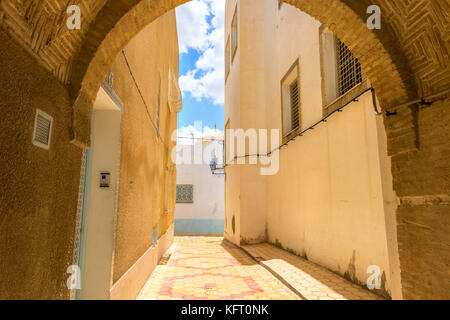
point(42, 129)
point(294, 94)
point(185, 193)
point(349, 69)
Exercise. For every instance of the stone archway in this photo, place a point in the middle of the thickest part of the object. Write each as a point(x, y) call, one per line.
point(380, 55)
point(407, 59)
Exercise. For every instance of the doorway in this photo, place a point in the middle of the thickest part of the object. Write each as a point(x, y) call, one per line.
point(100, 197)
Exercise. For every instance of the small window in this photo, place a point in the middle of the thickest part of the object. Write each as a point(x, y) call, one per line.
point(227, 59)
point(294, 96)
point(341, 72)
point(185, 193)
point(349, 69)
point(234, 35)
point(42, 129)
point(291, 101)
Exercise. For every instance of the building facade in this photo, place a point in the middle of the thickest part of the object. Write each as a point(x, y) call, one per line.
point(331, 198)
point(105, 213)
point(199, 205)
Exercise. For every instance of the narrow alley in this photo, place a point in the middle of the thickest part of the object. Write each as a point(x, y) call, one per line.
point(224, 150)
point(210, 268)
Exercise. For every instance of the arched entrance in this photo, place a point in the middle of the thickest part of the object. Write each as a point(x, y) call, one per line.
point(408, 58)
point(392, 60)
point(379, 52)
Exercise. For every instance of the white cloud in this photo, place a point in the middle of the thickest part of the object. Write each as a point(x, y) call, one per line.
point(194, 32)
point(192, 25)
point(186, 133)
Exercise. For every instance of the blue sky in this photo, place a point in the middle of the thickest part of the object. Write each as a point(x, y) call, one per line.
point(193, 110)
point(200, 37)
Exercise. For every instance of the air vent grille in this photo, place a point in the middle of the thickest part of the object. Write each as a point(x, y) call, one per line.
point(42, 129)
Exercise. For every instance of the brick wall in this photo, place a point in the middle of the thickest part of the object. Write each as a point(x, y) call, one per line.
point(419, 143)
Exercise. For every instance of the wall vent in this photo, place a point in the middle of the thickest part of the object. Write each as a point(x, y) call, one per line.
point(42, 129)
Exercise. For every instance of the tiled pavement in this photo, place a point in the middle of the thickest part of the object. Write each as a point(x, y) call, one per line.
point(206, 268)
point(311, 281)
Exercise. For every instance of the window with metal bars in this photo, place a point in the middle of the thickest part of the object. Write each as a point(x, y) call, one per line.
point(294, 95)
point(348, 69)
point(291, 100)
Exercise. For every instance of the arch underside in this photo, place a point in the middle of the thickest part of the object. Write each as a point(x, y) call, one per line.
point(385, 54)
point(407, 58)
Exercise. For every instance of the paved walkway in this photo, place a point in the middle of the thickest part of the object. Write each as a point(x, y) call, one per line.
point(307, 279)
point(206, 268)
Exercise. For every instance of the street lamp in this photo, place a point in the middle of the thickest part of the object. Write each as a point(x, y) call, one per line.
point(213, 167)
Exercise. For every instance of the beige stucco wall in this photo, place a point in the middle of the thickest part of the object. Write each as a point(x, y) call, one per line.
point(332, 197)
point(145, 159)
point(232, 120)
point(39, 188)
point(244, 97)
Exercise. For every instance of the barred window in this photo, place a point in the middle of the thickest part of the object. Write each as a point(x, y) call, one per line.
point(294, 92)
point(185, 193)
point(348, 67)
point(291, 100)
point(342, 75)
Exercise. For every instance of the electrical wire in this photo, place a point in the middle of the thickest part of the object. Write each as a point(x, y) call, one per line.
point(324, 119)
point(143, 101)
point(206, 139)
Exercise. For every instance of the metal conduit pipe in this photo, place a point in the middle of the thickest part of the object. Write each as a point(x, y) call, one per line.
point(423, 101)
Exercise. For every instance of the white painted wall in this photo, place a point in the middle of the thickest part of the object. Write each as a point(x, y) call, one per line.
point(332, 198)
point(208, 192)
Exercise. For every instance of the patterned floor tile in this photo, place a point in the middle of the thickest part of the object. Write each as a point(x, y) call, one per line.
point(206, 268)
point(310, 280)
